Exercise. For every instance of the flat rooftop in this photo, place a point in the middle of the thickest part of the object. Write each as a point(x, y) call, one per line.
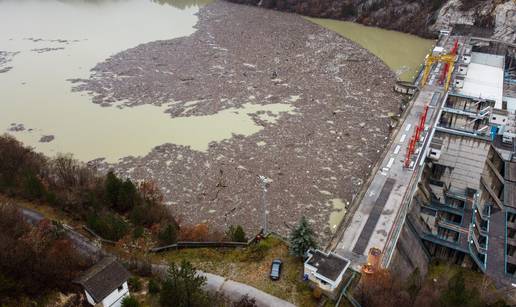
point(329, 266)
point(485, 78)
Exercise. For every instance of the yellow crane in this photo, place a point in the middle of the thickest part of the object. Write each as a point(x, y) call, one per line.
point(449, 59)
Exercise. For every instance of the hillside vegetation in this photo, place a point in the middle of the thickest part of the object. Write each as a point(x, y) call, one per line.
point(421, 17)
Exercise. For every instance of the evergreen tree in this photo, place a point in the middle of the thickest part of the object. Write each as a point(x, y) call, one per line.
point(302, 238)
point(107, 225)
point(130, 301)
point(112, 187)
point(236, 234)
point(121, 195)
point(153, 286)
point(168, 235)
point(127, 196)
point(183, 287)
point(239, 234)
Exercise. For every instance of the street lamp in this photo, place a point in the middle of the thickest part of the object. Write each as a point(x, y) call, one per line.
point(264, 183)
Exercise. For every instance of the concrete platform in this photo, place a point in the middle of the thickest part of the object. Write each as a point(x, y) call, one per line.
point(378, 217)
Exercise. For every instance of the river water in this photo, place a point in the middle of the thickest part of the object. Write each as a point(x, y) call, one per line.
point(403, 53)
point(53, 41)
point(36, 91)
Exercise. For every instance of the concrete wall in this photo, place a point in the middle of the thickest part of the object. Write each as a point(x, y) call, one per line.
point(409, 254)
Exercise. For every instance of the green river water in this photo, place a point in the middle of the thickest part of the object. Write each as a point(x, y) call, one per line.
point(403, 53)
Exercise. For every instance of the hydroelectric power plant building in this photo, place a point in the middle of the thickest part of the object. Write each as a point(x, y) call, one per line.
point(464, 209)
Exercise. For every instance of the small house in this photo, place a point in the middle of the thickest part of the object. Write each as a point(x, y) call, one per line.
point(325, 270)
point(105, 283)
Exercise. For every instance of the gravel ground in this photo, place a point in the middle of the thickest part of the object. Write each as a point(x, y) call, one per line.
point(323, 150)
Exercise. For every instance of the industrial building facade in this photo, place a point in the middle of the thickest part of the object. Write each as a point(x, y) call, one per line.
point(464, 209)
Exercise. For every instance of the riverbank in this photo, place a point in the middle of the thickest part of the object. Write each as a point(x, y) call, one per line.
point(487, 18)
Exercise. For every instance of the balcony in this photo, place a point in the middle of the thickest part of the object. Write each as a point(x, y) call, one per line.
point(481, 248)
point(456, 193)
point(452, 226)
point(434, 204)
point(469, 113)
point(444, 242)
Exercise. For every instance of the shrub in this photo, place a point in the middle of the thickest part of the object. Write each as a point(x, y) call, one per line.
point(138, 215)
point(236, 234)
point(183, 287)
point(153, 286)
point(317, 293)
point(168, 234)
point(256, 252)
point(457, 294)
point(137, 232)
point(34, 259)
point(130, 301)
point(245, 301)
point(134, 283)
point(51, 198)
point(197, 233)
point(150, 192)
point(32, 187)
point(147, 214)
point(108, 226)
point(15, 162)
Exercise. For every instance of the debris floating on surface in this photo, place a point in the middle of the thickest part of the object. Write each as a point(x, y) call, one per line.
point(242, 54)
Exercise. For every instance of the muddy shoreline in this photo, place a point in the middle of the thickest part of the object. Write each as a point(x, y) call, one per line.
point(321, 151)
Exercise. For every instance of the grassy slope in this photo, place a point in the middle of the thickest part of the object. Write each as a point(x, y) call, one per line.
point(232, 264)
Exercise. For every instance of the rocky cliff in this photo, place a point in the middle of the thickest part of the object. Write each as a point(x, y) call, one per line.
point(422, 17)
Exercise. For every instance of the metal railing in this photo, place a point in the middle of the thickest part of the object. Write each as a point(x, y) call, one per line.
point(394, 234)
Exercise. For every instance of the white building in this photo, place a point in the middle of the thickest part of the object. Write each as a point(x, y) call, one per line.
point(483, 77)
point(105, 283)
point(325, 270)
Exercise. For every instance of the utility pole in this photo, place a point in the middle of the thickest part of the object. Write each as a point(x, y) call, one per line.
point(264, 183)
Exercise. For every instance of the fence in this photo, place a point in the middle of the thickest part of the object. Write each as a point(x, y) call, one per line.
point(210, 244)
point(193, 244)
point(98, 237)
point(179, 245)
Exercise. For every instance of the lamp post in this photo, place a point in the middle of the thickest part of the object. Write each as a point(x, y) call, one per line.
point(264, 183)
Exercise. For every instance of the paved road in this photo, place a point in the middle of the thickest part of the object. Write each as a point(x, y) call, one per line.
point(83, 244)
point(380, 214)
point(232, 289)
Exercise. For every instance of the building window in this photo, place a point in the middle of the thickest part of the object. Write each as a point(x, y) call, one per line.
point(121, 288)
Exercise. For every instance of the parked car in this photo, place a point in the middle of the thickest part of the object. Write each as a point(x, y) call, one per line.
point(276, 269)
